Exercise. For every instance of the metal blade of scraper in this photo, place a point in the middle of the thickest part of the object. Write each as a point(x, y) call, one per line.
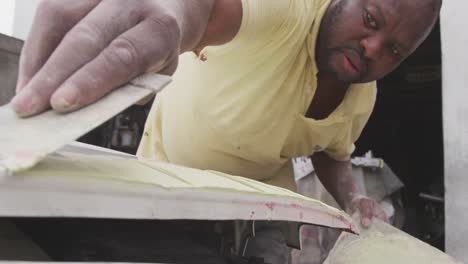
point(25, 142)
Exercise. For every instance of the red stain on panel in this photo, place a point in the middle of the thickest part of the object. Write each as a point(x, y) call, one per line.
point(24, 155)
point(297, 206)
point(270, 206)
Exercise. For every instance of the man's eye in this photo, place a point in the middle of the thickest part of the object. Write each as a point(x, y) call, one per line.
point(371, 22)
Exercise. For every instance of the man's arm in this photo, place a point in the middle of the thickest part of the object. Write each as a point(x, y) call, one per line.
point(78, 51)
point(337, 178)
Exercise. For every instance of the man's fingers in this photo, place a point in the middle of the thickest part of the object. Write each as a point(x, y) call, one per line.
point(131, 54)
point(366, 222)
point(113, 43)
point(82, 44)
point(380, 214)
point(366, 207)
point(52, 20)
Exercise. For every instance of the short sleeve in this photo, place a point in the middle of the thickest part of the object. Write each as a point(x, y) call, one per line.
point(342, 149)
point(343, 146)
point(265, 19)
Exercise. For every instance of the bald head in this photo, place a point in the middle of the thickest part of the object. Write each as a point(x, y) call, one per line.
point(417, 18)
point(373, 36)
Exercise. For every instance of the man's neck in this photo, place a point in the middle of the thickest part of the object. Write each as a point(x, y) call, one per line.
point(328, 96)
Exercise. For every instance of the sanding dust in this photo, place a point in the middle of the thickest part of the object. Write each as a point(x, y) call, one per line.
point(384, 244)
point(391, 249)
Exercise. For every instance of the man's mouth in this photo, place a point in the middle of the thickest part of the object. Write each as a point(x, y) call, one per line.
point(350, 69)
point(353, 58)
point(353, 64)
point(348, 64)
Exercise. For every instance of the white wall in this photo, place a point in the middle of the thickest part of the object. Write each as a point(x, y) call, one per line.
point(455, 110)
point(7, 12)
point(24, 14)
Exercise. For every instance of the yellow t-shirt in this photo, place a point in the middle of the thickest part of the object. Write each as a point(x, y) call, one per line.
point(242, 111)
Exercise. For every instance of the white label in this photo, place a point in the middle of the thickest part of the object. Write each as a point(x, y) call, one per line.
point(302, 167)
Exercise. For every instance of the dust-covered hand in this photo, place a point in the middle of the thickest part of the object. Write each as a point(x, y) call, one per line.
point(78, 51)
point(368, 209)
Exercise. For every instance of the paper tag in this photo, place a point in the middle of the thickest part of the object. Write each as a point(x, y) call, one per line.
point(302, 167)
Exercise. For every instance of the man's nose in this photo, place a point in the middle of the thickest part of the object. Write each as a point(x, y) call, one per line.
point(373, 46)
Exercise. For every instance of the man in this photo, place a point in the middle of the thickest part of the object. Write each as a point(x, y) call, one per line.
point(274, 79)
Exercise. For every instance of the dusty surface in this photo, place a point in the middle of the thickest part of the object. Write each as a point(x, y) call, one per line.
point(317, 242)
point(384, 244)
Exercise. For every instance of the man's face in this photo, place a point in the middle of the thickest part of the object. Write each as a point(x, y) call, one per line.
point(364, 40)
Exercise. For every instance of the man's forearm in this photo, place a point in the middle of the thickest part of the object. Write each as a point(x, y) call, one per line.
point(192, 17)
point(206, 22)
point(337, 178)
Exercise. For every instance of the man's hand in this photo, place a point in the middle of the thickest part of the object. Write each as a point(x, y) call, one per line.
point(337, 178)
point(368, 209)
point(78, 51)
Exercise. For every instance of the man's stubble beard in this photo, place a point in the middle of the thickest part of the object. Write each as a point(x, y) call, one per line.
point(328, 27)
